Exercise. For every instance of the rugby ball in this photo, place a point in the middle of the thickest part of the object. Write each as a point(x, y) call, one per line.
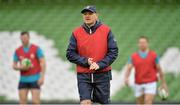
point(163, 94)
point(26, 62)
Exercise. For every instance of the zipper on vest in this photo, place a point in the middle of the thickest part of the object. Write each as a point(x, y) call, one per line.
point(92, 78)
point(90, 31)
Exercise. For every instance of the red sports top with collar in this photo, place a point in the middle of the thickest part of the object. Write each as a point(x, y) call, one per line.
point(31, 54)
point(92, 46)
point(145, 68)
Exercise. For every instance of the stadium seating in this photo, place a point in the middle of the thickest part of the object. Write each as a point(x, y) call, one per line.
point(55, 72)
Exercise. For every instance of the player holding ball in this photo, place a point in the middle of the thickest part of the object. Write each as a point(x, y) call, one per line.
point(29, 60)
point(146, 64)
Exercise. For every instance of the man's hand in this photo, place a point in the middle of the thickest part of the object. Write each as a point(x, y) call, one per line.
point(164, 86)
point(23, 68)
point(127, 73)
point(94, 66)
point(41, 81)
point(19, 67)
point(90, 61)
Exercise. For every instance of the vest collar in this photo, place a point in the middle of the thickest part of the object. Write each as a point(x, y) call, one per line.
point(29, 45)
point(92, 29)
point(144, 51)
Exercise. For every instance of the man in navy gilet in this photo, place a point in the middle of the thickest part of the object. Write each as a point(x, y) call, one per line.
point(93, 49)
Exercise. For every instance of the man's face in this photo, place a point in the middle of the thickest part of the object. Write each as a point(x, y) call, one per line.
point(25, 39)
point(143, 44)
point(89, 17)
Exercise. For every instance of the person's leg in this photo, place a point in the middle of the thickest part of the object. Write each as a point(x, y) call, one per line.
point(140, 100)
point(101, 92)
point(139, 93)
point(86, 102)
point(23, 92)
point(85, 88)
point(150, 91)
point(23, 95)
point(35, 96)
point(148, 99)
point(101, 87)
point(85, 91)
point(35, 91)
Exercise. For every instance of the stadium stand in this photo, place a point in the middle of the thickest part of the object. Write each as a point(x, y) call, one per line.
point(55, 86)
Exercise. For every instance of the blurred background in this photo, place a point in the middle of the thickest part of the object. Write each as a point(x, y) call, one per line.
point(51, 23)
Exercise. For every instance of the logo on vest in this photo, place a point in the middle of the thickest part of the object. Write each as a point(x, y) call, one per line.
point(21, 57)
point(32, 56)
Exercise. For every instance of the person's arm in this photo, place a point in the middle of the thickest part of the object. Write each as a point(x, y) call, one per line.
point(43, 70)
point(162, 77)
point(43, 66)
point(111, 54)
point(72, 54)
point(42, 61)
point(161, 74)
point(16, 65)
point(128, 72)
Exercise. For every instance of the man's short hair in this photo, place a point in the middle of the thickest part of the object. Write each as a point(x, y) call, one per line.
point(24, 33)
point(144, 37)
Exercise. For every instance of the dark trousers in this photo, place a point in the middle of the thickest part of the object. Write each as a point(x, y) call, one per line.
point(94, 87)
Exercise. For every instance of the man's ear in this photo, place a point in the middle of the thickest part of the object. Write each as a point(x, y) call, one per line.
point(97, 16)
